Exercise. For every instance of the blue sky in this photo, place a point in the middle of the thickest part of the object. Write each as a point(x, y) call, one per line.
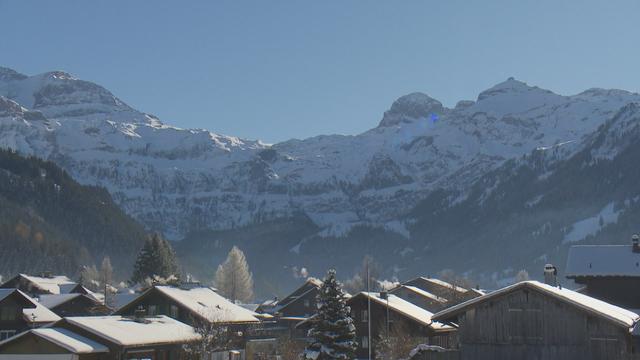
point(276, 70)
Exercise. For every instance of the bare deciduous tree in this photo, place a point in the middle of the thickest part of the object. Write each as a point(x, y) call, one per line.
point(215, 335)
point(396, 343)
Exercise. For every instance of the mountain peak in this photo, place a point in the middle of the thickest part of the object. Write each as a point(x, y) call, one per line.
point(511, 85)
point(7, 74)
point(416, 105)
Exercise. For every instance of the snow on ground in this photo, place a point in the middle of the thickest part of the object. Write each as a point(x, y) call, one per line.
point(591, 226)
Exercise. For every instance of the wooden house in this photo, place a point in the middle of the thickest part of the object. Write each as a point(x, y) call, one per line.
point(74, 304)
point(104, 338)
point(39, 285)
point(383, 313)
point(607, 272)
point(19, 312)
point(195, 305)
point(532, 320)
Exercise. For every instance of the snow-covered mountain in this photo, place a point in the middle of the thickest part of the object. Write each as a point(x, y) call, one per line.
point(183, 180)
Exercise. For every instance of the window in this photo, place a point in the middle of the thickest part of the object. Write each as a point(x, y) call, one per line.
point(174, 311)
point(364, 315)
point(5, 334)
point(307, 303)
point(153, 310)
point(8, 313)
point(365, 342)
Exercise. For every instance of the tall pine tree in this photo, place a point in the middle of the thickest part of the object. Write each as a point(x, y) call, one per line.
point(332, 331)
point(156, 260)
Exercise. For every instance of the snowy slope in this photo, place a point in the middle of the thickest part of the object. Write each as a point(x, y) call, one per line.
point(178, 180)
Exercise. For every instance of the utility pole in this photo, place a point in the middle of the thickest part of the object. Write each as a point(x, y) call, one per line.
point(368, 313)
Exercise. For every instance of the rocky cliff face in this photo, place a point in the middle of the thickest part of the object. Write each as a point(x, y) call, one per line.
point(181, 181)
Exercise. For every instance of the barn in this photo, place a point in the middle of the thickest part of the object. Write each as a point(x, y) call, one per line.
point(532, 320)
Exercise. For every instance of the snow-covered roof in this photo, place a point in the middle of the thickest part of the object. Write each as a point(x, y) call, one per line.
point(405, 308)
point(614, 313)
point(129, 332)
point(209, 304)
point(51, 301)
point(445, 284)
point(66, 339)
point(122, 299)
point(423, 293)
point(40, 314)
point(54, 284)
point(602, 260)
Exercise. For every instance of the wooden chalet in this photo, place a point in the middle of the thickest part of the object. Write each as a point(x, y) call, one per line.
point(194, 305)
point(39, 285)
point(388, 311)
point(19, 312)
point(532, 320)
point(607, 272)
point(103, 338)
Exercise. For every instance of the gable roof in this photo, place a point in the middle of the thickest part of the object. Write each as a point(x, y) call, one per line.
point(203, 302)
point(296, 299)
point(64, 338)
point(444, 284)
point(26, 300)
point(55, 284)
point(602, 260)
point(52, 301)
point(129, 332)
point(32, 311)
point(309, 284)
point(403, 307)
point(597, 307)
point(423, 293)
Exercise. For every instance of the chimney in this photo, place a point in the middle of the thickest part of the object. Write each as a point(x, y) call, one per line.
point(384, 295)
point(635, 241)
point(550, 275)
point(139, 314)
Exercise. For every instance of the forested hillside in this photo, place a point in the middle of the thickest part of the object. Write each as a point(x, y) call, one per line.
point(50, 222)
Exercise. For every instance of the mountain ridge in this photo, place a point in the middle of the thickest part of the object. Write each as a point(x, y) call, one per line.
point(184, 181)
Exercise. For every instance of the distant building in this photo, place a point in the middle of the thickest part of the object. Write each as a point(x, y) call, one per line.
point(19, 312)
point(421, 298)
point(535, 321)
point(103, 338)
point(39, 285)
point(289, 312)
point(388, 310)
point(607, 272)
point(74, 305)
point(452, 293)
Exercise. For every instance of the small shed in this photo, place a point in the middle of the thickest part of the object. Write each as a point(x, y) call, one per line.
point(532, 320)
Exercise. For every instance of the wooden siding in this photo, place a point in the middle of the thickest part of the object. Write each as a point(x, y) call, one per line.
point(526, 324)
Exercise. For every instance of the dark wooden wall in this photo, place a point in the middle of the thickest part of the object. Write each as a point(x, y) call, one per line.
point(529, 325)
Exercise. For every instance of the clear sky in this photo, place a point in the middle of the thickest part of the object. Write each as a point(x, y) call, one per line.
point(276, 70)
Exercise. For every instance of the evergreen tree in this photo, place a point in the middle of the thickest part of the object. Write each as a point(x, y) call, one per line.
point(156, 261)
point(332, 330)
point(233, 278)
